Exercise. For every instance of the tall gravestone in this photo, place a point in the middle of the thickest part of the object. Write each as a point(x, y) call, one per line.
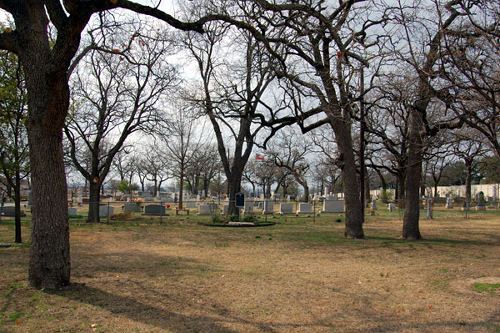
point(480, 201)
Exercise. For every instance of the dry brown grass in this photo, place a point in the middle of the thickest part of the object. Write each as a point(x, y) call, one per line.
point(293, 277)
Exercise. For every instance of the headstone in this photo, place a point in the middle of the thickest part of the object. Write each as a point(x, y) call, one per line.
point(286, 208)
point(10, 211)
point(374, 204)
point(305, 208)
point(449, 203)
point(105, 211)
point(268, 207)
point(333, 206)
point(154, 210)
point(131, 207)
point(72, 212)
point(240, 200)
point(191, 204)
point(481, 202)
point(428, 209)
point(207, 209)
point(248, 207)
point(390, 206)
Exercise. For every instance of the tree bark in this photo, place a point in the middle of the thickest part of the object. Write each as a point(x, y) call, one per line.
point(50, 256)
point(234, 187)
point(411, 229)
point(353, 206)
point(94, 202)
point(468, 184)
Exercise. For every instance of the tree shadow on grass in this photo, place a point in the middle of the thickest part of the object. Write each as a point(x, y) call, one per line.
point(140, 312)
point(436, 241)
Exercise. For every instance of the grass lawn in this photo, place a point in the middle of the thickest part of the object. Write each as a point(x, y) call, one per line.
point(299, 275)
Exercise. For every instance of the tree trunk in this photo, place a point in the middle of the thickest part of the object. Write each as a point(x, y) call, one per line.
point(94, 202)
point(353, 207)
point(234, 187)
point(181, 188)
point(468, 184)
point(306, 191)
point(206, 185)
point(411, 229)
point(367, 189)
point(50, 256)
point(17, 203)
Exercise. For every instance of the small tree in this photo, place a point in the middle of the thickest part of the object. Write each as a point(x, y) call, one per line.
point(13, 136)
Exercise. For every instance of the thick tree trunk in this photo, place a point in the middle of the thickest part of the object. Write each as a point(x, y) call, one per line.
point(17, 203)
point(94, 203)
point(353, 207)
point(411, 229)
point(306, 191)
point(50, 256)
point(234, 187)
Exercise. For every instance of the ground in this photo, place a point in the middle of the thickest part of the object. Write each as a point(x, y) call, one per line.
point(300, 275)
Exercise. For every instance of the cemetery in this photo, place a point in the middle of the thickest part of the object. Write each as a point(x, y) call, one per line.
point(249, 166)
point(142, 269)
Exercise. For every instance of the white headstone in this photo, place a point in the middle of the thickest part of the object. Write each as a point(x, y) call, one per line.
point(390, 207)
point(268, 207)
point(248, 207)
point(207, 209)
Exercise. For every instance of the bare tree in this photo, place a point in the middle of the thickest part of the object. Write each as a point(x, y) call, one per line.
point(14, 163)
point(469, 149)
point(234, 97)
point(183, 138)
point(45, 61)
point(419, 47)
point(324, 46)
point(113, 97)
point(290, 152)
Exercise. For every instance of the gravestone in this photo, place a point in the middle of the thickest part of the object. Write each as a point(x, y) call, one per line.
point(10, 211)
point(333, 206)
point(240, 200)
point(374, 204)
point(449, 203)
point(391, 207)
point(207, 209)
point(428, 208)
point(154, 210)
point(305, 208)
point(268, 207)
point(248, 208)
point(286, 208)
point(191, 204)
point(131, 207)
point(481, 202)
point(72, 212)
point(105, 211)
